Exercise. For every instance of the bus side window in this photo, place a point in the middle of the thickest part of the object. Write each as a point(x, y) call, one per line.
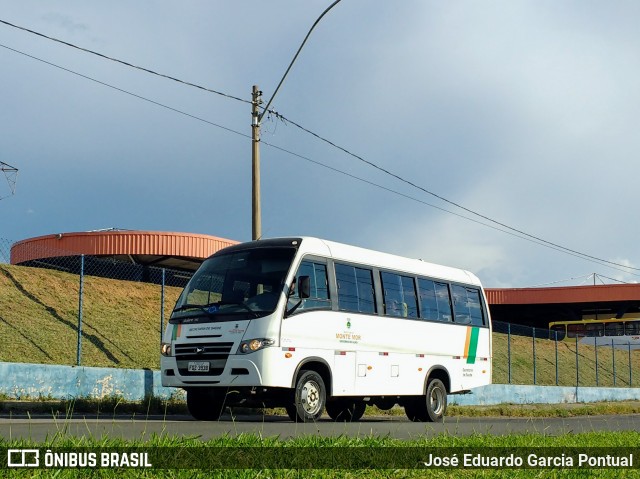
point(575, 330)
point(614, 329)
point(632, 328)
point(355, 289)
point(594, 330)
point(475, 307)
point(399, 295)
point(461, 312)
point(434, 299)
point(319, 292)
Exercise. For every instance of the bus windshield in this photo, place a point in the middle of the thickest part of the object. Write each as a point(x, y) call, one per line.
point(242, 284)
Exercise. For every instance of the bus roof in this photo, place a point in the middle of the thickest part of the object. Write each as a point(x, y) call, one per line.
point(344, 252)
point(364, 256)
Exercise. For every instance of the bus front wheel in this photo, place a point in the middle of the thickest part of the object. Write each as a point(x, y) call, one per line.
point(429, 408)
point(205, 404)
point(309, 397)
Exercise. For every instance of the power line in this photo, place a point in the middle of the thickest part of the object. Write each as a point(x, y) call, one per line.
point(128, 92)
point(412, 198)
point(468, 210)
point(519, 233)
point(106, 57)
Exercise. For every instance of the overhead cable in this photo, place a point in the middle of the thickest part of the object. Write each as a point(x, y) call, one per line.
point(128, 92)
point(442, 198)
point(101, 55)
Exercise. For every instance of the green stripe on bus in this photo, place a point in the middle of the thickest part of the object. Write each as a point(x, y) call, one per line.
point(473, 345)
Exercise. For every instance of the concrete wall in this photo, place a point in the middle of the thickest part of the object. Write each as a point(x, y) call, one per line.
point(23, 381)
point(520, 394)
point(20, 380)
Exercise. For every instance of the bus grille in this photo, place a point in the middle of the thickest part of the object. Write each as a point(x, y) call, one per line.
point(216, 354)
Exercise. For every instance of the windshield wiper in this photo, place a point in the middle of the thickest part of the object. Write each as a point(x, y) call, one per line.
point(238, 303)
point(213, 308)
point(203, 307)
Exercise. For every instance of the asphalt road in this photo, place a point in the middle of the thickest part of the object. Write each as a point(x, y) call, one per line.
point(39, 428)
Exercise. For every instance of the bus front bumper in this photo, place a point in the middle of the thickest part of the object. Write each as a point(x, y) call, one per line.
point(237, 371)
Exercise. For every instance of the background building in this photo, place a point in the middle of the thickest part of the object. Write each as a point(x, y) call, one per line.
point(120, 254)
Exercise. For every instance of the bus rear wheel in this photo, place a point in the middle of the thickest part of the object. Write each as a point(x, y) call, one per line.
point(205, 404)
point(346, 410)
point(429, 408)
point(309, 397)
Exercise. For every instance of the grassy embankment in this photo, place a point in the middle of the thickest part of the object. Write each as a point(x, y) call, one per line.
point(39, 319)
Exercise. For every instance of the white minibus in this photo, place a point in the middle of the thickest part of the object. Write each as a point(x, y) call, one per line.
point(310, 325)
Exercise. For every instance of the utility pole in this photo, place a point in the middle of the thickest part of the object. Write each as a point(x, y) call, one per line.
point(256, 119)
point(256, 215)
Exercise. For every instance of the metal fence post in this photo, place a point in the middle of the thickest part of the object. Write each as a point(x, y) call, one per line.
point(613, 359)
point(534, 355)
point(80, 297)
point(509, 351)
point(595, 343)
point(629, 345)
point(577, 364)
point(556, 335)
point(162, 304)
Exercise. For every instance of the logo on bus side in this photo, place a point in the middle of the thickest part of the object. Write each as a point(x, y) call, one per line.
point(347, 336)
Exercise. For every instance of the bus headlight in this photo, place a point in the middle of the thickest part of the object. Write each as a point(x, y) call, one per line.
point(253, 345)
point(165, 349)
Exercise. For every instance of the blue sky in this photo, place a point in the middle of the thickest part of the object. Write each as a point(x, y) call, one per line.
point(523, 111)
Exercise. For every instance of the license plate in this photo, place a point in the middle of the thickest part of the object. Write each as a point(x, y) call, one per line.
point(198, 366)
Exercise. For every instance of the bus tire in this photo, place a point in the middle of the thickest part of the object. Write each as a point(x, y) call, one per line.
point(429, 408)
point(205, 404)
point(436, 403)
point(309, 397)
point(292, 412)
point(345, 410)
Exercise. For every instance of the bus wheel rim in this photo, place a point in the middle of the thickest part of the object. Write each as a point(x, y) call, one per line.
point(310, 397)
point(436, 400)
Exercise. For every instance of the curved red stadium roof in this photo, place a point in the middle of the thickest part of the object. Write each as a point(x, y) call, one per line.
point(178, 250)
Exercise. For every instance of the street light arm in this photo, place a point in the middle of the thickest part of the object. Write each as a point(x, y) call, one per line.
point(266, 108)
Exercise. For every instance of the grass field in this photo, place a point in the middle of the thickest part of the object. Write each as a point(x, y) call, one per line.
point(371, 457)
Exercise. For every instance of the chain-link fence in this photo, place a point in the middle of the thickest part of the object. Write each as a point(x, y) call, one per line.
point(526, 355)
point(82, 310)
point(5, 250)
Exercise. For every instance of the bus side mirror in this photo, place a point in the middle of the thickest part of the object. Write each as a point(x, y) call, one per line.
point(304, 287)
